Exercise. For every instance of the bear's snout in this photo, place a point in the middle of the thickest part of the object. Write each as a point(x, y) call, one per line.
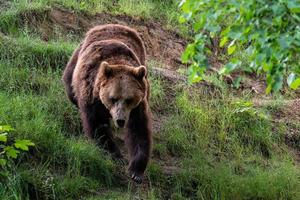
point(120, 114)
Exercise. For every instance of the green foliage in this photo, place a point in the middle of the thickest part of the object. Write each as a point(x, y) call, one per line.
point(8, 151)
point(268, 31)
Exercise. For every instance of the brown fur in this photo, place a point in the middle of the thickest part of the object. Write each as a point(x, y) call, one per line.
point(109, 62)
point(120, 33)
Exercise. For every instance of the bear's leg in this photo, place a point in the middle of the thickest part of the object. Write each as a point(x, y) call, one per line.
point(95, 121)
point(68, 74)
point(138, 142)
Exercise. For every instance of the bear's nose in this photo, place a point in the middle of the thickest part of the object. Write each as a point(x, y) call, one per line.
point(121, 122)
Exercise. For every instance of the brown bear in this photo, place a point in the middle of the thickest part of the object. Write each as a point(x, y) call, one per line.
point(106, 78)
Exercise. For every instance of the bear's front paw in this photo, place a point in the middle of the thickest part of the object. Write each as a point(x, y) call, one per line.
point(136, 178)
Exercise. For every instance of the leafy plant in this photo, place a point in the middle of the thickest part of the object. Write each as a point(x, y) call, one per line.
point(12, 151)
point(268, 31)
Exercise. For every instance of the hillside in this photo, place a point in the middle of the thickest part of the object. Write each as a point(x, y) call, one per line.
point(211, 141)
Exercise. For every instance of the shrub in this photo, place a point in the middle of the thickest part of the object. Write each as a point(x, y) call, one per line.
point(267, 30)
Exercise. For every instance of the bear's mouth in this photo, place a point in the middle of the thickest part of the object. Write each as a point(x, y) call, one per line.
point(120, 123)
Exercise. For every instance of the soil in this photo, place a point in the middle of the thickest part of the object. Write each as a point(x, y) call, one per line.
point(162, 45)
point(288, 110)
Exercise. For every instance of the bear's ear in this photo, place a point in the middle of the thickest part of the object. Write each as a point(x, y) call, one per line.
point(106, 70)
point(140, 72)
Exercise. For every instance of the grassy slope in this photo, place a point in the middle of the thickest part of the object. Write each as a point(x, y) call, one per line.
point(223, 147)
point(165, 11)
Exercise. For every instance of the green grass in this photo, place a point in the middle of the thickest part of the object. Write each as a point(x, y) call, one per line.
point(37, 108)
point(63, 163)
point(224, 147)
point(228, 151)
point(137, 8)
point(34, 103)
point(25, 51)
point(157, 92)
point(24, 15)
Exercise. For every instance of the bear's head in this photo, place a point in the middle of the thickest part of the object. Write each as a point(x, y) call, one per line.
point(120, 88)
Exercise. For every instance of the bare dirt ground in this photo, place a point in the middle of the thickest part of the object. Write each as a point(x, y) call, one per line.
point(162, 45)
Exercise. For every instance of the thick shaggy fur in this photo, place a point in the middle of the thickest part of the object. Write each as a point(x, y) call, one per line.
point(121, 47)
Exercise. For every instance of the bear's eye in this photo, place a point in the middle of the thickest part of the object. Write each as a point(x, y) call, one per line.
point(113, 100)
point(129, 101)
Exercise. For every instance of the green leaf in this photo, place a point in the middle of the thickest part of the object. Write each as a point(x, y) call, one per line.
point(181, 3)
point(187, 53)
point(267, 33)
point(195, 78)
point(236, 33)
point(267, 66)
point(285, 41)
point(231, 48)
point(294, 6)
point(23, 144)
point(3, 137)
point(182, 19)
point(229, 67)
point(2, 162)
point(223, 41)
point(269, 89)
point(291, 79)
point(11, 152)
point(195, 73)
point(277, 86)
point(248, 29)
point(237, 82)
point(225, 31)
point(213, 28)
point(200, 23)
point(5, 128)
point(187, 16)
point(185, 6)
point(295, 84)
